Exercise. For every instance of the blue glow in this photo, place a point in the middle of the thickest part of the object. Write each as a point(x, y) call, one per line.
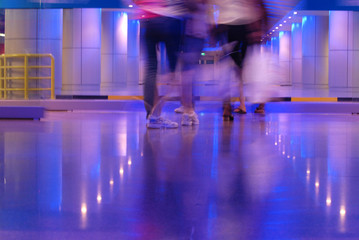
point(281, 34)
point(214, 166)
point(304, 20)
point(95, 171)
point(331, 169)
point(212, 211)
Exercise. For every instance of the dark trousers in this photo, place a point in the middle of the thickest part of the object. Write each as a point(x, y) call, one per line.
point(156, 30)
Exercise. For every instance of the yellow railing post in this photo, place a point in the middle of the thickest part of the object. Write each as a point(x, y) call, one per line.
point(5, 80)
point(52, 77)
point(26, 77)
point(1, 75)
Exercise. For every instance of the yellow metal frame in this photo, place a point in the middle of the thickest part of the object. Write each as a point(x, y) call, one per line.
point(4, 74)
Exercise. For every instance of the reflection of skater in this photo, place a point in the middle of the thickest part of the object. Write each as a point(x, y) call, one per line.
point(159, 24)
point(243, 22)
point(167, 194)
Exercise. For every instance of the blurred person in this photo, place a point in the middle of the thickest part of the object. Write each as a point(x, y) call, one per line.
point(243, 22)
point(195, 33)
point(161, 21)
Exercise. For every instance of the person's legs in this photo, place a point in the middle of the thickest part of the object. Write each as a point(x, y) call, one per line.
point(150, 93)
point(191, 53)
point(241, 109)
point(169, 32)
point(238, 33)
point(153, 34)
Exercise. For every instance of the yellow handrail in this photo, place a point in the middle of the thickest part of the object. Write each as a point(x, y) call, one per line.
point(5, 69)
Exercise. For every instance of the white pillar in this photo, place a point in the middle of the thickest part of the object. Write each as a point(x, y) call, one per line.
point(120, 50)
point(36, 31)
point(114, 50)
point(82, 50)
point(285, 55)
point(315, 50)
point(296, 70)
point(275, 45)
point(343, 49)
point(133, 58)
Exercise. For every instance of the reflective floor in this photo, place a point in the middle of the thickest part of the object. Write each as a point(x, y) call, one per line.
point(103, 175)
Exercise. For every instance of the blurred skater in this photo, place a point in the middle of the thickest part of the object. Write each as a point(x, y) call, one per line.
point(243, 22)
point(195, 33)
point(161, 21)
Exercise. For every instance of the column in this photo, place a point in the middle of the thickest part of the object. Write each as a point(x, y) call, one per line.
point(133, 57)
point(296, 70)
point(315, 50)
point(35, 31)
point(275, 45)
point(114, 50)
point(285, 56)
point(82, 50)
point(343, 49)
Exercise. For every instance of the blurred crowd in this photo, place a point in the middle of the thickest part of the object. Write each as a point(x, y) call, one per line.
point(185, 27)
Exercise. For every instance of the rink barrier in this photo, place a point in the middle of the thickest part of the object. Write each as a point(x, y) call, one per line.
point(22, 69)
point(208, 98)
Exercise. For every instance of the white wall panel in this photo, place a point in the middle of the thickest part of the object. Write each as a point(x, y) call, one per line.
point(338, 30)
point(308, 70)
point(133, 69)
point(120, 32)
point(321, 70)
point(107, 36)
point(50, 24)
point(91, 28)
point(355, 31)
point(353, 68)
point(321, 36)
point(296, 40)
point(14, 46)
point(53, 47)
point(338, 69)
point(296, 71)
point(36, 31)
point(106, 69)
point(21, 23)
point(120, 69)
point(308, 35)
point(91, 66)
point(71, 65)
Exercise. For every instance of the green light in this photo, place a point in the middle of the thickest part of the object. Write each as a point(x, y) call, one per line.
point(203, 54)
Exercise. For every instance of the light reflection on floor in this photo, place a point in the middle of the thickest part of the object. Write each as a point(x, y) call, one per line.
point(99, 175)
